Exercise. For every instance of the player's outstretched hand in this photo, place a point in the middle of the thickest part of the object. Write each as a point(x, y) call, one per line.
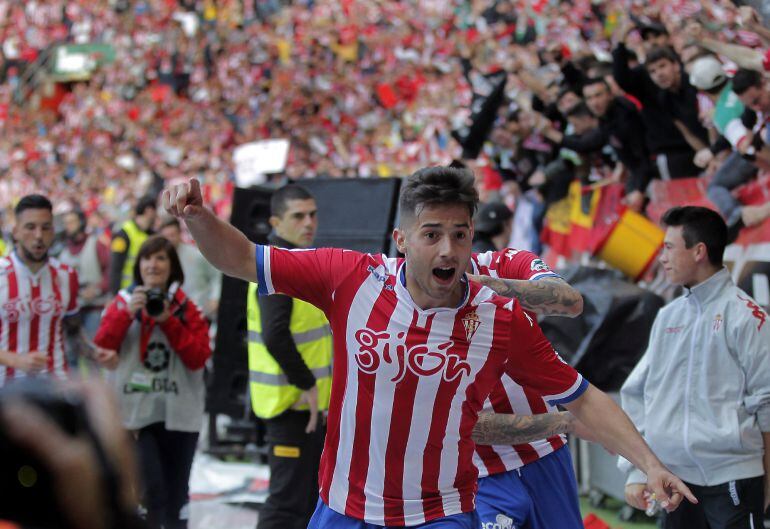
point(184, 201)
point(668, 489)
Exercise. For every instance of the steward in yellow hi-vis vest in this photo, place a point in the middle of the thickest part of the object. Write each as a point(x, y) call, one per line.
point(271, 391)
point(136, 238)
point(290, 370)
point(126, 242)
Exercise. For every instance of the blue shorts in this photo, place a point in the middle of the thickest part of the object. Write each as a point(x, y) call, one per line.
point(325, 518)
point(540, 495)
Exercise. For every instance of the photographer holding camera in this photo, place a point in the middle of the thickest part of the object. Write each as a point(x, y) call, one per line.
point(157, 341)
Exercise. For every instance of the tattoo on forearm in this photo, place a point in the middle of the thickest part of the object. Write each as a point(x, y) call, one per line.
point(546, 297)
point(496, 429)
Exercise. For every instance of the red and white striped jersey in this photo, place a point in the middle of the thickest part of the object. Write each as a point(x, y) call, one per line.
point(31, 310)
point(408, 383)
point(508, 396)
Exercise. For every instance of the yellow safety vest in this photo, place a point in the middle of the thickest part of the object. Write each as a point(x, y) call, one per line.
point(271, 392)
point(136, 238)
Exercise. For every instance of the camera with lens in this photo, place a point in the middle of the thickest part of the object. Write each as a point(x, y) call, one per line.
point(156, 302)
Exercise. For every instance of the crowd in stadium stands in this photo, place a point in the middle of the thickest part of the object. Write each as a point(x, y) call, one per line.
point(594, 92)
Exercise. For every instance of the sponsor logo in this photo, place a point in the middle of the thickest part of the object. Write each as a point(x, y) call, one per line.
point(471, 323)
point(756, 311)
point(382, 278)
point(157, 385)
point(375, 348)
point(501, 522)
point(538, 265)
point(674, 330)
point(157, 357)
point(15, 309)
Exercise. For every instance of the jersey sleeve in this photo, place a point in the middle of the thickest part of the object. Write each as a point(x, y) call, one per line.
point(309, 275)
point(533, 363)
point(514, 264)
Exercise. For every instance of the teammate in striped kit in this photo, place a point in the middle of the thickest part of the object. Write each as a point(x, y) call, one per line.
point(37, 295)
point(417, 351)
point(531, 484)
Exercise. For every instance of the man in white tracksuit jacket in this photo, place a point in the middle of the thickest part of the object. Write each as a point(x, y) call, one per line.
point(700, 395)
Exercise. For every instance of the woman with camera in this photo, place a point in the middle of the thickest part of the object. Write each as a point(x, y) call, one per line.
point(156, 340)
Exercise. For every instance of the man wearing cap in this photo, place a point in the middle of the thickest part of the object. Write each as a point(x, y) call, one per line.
point(494, 224)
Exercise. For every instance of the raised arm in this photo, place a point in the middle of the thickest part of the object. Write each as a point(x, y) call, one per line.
point(743, 56)
point(549, 296)
point(510, 429)
point(615, 430)
point(220, 243)
point(506, 429)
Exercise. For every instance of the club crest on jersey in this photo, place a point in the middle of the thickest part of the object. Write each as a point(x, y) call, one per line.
point(378, 347)
point(471, 322)
point(538, 265)
point(717, 322)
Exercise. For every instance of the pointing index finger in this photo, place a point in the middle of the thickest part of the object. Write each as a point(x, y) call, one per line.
point(181, 197)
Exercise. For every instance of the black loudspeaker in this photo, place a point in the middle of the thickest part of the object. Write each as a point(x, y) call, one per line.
point(227, 388)
point(355, 213)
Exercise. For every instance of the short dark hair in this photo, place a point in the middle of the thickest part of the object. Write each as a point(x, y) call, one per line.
point(437, 186)
point(745, 79)
point(169, 222)
point(32, 202)
point(155, 244)
point(281, 197)
point(661, 53)
point(580, 110)
point(80, 214)
point(700, 225)
point(596, 80)
point(654, 29)
point(566, 89)
point(145, 202)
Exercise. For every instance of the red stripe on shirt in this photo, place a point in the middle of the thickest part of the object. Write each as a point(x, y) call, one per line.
point(382, 311)
point(488, 375)
point(72, 276)
point(34, 324)
point(433, 506)
point(339, 322)
point(400, 426)
point(55, 330)
point(13, 326)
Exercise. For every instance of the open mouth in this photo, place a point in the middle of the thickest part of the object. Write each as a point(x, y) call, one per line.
point(444, 274)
